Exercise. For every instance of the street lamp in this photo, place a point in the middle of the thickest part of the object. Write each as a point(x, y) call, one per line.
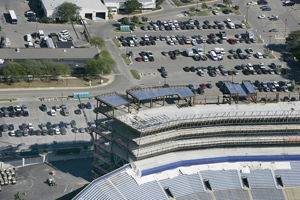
point(285, 26)
point(247, 17)
point(270, 37)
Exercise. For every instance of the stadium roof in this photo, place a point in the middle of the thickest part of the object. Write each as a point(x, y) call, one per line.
point(113, 100)
point(150, 93)
point(194, 181)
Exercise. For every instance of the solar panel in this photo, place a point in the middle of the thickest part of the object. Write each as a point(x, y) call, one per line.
point(113, 100)
point(231, 88)
point(237, 89)
point(144, 94)
point(249, 87)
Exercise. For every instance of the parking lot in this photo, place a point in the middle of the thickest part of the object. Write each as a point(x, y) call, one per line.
point(37, 117)
point(17, 32)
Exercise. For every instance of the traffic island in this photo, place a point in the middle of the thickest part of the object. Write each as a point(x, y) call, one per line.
point(126, 59)
point(270, 54)
point(135, 74)
point(259, 40)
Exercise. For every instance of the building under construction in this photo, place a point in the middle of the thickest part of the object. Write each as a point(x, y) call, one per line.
point(149, 122)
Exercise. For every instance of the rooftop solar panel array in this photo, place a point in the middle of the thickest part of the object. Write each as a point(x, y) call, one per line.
point(240, 89)
point(222, 180)
point(113, 100)
point(183, 185)
point(144, 94)
point(260, 178)
point(249, 87)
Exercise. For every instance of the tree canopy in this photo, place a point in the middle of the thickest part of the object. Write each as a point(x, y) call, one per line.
point(68, 11)
point(132, 5)
point(97, 42)
point(228, 2)
point(159, 2)
point(293, 39)
point(103, 64)
point(30, 69)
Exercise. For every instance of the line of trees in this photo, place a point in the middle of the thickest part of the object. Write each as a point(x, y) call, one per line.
point(31, 69)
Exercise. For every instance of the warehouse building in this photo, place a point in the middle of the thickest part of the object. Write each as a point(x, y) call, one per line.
point(90, 9)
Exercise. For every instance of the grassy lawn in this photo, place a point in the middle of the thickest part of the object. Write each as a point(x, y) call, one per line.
point(117, 30)
point(125, 58)
point(271, 55)
point(135, 74)
point(248, 25)
point(202, 13)
point(259, 40)
point(60, 83)
point(117, 42)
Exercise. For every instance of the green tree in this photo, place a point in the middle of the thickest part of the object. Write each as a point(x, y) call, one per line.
point(204, 6)
point(236, 7)
point(132, 5)
point(102, 65)
point(97, 42)
point(293, 39)
point(135, 19)
point(192, 9)
point(125, 21)
point(228, 2)
point(159, 2)
point(55, 70)
point(14, 71)
point(33, 68)
point(17, 196)
point(144, 19)
point(68, 11)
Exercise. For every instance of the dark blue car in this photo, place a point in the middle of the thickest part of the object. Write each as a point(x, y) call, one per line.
point(266, 9)
point(88, 105)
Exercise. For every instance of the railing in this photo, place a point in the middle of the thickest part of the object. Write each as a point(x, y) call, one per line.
point(100, 168)
point(216, 142)
point(146, 125)
point(97, 154)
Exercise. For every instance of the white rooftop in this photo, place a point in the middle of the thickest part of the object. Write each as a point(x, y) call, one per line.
point(174, 157)
point(84, 4)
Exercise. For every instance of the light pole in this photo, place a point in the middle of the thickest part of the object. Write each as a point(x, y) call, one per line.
point(270, 37)
point(247, 17)
point(285, 27)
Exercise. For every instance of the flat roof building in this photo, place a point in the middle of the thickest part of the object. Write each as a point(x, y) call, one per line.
point(90, 9)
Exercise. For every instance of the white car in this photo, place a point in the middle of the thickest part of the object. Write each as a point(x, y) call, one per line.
point(215, 12)
point(65, 33)
point(261, 16)
point(252, 3)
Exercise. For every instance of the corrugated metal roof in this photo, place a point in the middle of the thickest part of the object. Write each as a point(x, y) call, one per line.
point(231, 88)
point(113, 100)
point(159, 92)
point(249, 87)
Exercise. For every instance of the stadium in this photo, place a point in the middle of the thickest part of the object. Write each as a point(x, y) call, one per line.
point(159, 143)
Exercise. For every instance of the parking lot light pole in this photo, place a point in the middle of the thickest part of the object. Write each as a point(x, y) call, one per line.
point(285, 27)
point(247, 17)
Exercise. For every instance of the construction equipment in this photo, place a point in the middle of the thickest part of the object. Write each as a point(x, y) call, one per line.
point(51, 182)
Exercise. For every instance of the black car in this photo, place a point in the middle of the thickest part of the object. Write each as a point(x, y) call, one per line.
point(44, 108)
point(25, 114)
point(186, 69)
point(153, 42)
point(11, 127)
point(77, 112)
point(33, 19)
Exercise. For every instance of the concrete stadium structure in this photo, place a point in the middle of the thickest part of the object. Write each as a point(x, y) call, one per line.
point(173, 150)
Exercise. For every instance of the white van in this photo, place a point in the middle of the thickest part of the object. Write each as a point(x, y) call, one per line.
point(52, 112)
point(41, 34)
point(259, 55)
point(213, 55)
point(231, 25)
point(28, 38)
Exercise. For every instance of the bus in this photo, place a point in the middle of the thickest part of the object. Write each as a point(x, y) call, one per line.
point(13, 17)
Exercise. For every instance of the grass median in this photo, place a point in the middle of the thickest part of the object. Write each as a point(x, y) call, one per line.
point(116, 42)
point(135, 74)
point(126, 58)
point(270, 54)
point(248, 25)
point(259, 40)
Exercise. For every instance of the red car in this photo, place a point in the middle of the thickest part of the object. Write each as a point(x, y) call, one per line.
point(24, 126)
point(139, 59)
point(212, 36)
point(232, 41)
point(203, 85)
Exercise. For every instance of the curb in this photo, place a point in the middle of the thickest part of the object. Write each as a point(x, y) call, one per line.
point(194, 4)
point(145, 13)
